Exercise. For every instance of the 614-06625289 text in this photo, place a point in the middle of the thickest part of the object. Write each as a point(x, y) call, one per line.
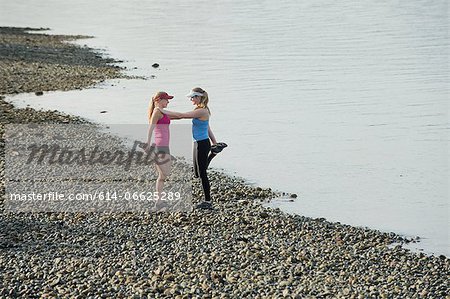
point(111, 195)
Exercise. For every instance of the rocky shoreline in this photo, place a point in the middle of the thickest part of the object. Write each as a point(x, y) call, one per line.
point(239, 250)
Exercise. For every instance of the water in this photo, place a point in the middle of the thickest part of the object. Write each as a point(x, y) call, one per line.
point(345, 104)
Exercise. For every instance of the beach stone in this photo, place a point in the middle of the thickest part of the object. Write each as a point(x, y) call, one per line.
point(264, 215)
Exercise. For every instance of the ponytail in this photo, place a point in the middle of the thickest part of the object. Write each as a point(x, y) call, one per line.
point(150, 110)
point(152, 105)
point(204, 99)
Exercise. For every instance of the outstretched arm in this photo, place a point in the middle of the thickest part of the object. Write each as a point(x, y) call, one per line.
point(197, 113)
point(171, 114)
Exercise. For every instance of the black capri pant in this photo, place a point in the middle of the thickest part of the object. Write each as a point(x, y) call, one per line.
point(201, 162)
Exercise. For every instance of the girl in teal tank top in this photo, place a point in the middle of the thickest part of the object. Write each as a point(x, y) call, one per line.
point(200, 129)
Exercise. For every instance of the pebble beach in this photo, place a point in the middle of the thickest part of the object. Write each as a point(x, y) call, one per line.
point(239, 250)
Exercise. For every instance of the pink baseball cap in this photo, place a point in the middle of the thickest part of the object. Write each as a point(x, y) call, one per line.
point(164, 96)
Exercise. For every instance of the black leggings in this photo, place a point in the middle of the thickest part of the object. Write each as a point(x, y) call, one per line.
point(202, 157)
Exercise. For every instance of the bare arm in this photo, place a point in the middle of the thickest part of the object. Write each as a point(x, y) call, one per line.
point(157, 115)
point(197, 113)
point(211, 135)
point(171, 114)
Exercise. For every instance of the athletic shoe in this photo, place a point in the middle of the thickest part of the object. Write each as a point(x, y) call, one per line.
point(217, 148)
point(205, 205)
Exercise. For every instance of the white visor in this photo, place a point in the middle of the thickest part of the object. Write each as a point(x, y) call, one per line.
point(193, 94)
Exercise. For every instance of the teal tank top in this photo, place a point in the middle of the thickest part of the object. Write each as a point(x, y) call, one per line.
point(200, 129)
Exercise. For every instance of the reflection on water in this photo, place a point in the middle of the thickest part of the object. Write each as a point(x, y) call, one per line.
point(342, 103)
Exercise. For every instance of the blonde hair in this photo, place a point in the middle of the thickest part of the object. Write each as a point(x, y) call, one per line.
point(203, 99)
point(152, 105)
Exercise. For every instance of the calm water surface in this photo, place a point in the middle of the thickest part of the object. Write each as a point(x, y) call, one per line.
point(345, 104)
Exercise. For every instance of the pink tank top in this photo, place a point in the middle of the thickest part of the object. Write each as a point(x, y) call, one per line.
point(162, 133)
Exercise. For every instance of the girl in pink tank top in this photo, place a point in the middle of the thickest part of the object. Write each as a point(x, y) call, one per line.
point(159, 126)
point(162, 133)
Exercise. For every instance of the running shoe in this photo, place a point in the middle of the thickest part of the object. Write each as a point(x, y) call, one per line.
point(218, 147)
point(205, 205)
